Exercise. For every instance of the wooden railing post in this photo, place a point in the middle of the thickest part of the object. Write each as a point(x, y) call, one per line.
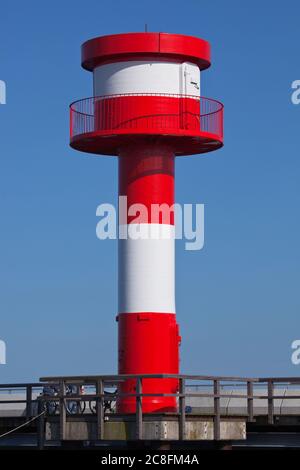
point(217, 411)
point(182, 432)
point(100, 409)
point(139, 409)
point(62, 410)
point(270, 402)
point(41, 425)
point(28, 401)
point(250, 401)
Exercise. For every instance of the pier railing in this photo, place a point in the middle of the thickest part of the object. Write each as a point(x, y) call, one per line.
point(66, 397)
point(25, 394)
point(100, 397)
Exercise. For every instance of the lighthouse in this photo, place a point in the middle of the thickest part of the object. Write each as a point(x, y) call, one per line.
point(147, 109)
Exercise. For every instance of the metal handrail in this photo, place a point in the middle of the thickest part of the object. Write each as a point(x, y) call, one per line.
point(110, 113)
point(171, 95)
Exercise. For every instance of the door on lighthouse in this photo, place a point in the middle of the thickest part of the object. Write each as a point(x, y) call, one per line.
point(190, 88)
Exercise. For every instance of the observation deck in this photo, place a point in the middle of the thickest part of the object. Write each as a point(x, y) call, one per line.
point(189, 124)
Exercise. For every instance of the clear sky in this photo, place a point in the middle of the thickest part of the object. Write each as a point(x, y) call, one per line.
point(237, 299)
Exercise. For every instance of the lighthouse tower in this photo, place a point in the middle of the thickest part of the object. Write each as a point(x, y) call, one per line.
point(147, 109)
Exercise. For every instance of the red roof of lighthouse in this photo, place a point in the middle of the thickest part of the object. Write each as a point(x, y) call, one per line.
point(130, 46)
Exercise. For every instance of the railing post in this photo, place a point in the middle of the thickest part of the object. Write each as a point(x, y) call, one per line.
point(100, 409)
point(250, 401)
point(217, 417)
point(139, 410)
point(62, 410)
point(28, 401)
point(182, 432)
point(41, 425)
point(270, 402)
point(71, 121)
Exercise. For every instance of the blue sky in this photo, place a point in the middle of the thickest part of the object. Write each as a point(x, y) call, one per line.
point(237, 299)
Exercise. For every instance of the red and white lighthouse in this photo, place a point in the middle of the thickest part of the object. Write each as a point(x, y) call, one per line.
point(147, 109)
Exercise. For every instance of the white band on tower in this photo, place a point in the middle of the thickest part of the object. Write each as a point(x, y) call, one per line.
point(147, 77)
point(146, 272)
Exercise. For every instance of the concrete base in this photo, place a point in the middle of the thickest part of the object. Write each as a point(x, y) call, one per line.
point(155, 428)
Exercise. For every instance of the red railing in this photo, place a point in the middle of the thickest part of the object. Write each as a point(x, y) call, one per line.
point(145, 111)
